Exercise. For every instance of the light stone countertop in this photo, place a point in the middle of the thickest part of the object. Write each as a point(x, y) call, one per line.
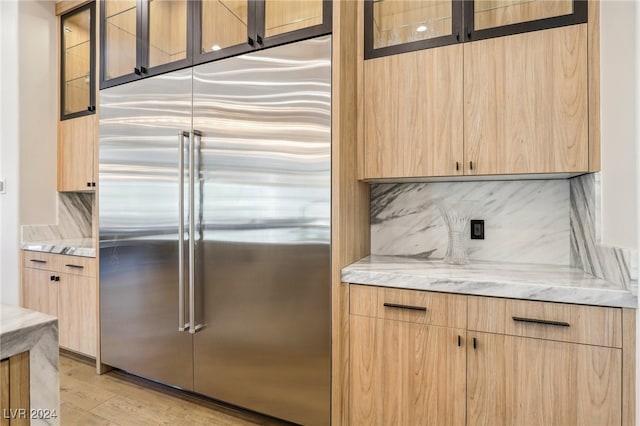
point(73, 247)
point(549, 283)
point(24, 330)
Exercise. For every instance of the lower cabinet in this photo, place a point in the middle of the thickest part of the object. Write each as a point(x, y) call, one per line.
point(523, 381)
point(66, 287)
point(425, 358)
point(406, 374)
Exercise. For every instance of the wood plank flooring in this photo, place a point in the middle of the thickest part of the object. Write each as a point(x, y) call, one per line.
point(116, 398)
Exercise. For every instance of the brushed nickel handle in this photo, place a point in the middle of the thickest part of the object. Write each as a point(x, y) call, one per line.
point(410, 307)
point(539, 321)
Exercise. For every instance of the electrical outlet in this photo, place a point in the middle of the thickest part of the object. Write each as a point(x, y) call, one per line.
point(477, 229)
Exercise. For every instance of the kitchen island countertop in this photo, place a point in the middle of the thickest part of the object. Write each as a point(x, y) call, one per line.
point(24, 330)
point(549, 283)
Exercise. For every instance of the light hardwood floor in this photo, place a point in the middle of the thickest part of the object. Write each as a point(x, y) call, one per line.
point(116, 398)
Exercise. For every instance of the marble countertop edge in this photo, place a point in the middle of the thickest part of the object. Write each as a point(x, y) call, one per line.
point(81, 247)
point(572, 287)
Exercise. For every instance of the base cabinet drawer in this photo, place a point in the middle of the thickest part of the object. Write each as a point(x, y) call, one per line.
point(591, 325)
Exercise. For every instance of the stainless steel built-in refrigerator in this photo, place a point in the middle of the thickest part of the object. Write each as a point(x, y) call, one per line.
point(215, 188)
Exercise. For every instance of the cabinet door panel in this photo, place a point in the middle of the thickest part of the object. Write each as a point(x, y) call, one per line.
point(223, 24)
point(39, 292)
point(167, 31)
point(413, 114)
point(526, 103)
point(497, 13)
point(77, 313)
point(76, 153)
point(120, 35)
point(522, 381)
point(284, 16)
point(406, 374)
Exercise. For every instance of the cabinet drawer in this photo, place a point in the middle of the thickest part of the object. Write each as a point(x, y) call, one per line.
point(76, 265)
point(592, 325)
point(447, 310)
point(40, 260)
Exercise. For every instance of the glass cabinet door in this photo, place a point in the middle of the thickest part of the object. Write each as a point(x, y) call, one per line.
point(119, 38)
point(494, 18)
point(223, 28)
point(77, 92)
point(282, 21)
point(397, 26)
point(165, 25)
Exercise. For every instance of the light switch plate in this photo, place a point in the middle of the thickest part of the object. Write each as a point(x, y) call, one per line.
point(2, 191)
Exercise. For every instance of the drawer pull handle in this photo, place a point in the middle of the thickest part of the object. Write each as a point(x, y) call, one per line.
point(37, 261)
point(459, 341)
point(413, 308)
point(538, 321)
point(70, 265)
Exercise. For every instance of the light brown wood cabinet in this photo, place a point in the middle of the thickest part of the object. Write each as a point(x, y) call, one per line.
point(517, 380)
point(509, 105)
point(15, 390)
point(77, 154)
point(413, 114)
point(419, 357)
point(64, 286)
point(407, 360)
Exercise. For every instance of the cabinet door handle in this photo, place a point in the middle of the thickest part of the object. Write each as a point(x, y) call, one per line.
point(475, 343)
point(412, 308)
point(93, 184)
point(88, 184)
point(52, 278)
point(71, 265)
point(470, 165)
point(457, 166)
point(459, 340)
point(539, 321)
point(37, 261)
point(57, 279)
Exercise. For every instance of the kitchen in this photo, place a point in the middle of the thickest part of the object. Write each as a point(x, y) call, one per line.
point(383, 196)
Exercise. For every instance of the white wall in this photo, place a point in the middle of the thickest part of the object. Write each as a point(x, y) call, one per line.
point(28, 93)
point(619, 117)
point(9, 152)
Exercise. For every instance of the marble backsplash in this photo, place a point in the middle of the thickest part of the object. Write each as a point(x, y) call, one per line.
point(525, 221)
point(609, 263)
point(534, 221)
point(75, 212)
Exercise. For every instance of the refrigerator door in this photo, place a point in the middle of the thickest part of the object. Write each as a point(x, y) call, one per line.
point(140, 126)
point(262, 264)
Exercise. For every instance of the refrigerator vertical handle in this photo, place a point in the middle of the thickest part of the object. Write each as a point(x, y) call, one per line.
point(196, 138)
point(182, 326)
point(192, 226)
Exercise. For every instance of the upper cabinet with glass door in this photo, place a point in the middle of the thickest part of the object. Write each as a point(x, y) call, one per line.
point(77, 94)
point(230, 27)
point(141, 38)
point(398, 26)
